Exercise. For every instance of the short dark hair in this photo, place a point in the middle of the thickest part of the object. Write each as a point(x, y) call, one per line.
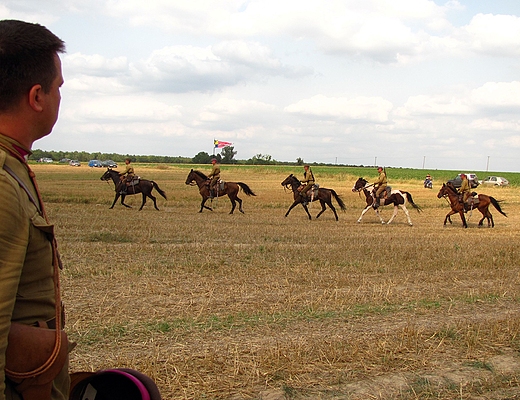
point(27, 54)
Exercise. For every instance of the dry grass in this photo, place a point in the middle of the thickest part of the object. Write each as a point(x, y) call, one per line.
point(258, 306)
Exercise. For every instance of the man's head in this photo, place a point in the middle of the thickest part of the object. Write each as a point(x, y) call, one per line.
point(27, 58)
point(379, 169)
point(213, 161)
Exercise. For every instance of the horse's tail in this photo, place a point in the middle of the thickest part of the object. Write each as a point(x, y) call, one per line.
point(339, 200)
point(410, 200)
point(247, 190)
point(496, 202)
point(156, 187)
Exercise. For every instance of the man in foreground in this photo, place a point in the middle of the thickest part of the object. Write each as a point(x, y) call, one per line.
point(30, 81)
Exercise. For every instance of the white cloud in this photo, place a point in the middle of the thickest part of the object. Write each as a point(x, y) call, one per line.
point(494, 34)
point(95, 64)
point(374, 109)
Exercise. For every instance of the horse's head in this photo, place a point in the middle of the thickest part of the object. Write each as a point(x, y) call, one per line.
point(108, 174)
point(190, 177)
point(359, 185)
point(290, 181)
point(446, 189)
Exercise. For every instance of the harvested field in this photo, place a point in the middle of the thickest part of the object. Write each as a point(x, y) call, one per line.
point(258, 306)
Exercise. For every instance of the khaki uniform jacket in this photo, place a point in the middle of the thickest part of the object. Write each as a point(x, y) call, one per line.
point(215, 172)
point(26, 270)
point(465, 189)
point(129, 172)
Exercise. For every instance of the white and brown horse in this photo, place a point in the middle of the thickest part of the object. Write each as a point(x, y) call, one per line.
point(398, 198)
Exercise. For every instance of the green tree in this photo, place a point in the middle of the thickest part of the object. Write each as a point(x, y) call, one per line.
point(227, 154)
point(299, 161)
point(202, 158)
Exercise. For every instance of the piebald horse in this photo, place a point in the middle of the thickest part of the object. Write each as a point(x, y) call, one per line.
point(397, 198)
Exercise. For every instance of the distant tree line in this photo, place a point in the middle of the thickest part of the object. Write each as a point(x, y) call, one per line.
point(226, 156)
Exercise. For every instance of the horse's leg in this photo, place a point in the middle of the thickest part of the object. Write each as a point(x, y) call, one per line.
point(143, 202)
point(296, 202)
point(487, 214)
point(323, 208)
point(307, 211)
point(364, 212)
point(154, 201)
point(123, 201)
point(407, 214)
point(233, 203)
point(202, 206)
point(240, 205)
point(115, 200)
point(379, 215)
point(448, 217)
point(463, 218)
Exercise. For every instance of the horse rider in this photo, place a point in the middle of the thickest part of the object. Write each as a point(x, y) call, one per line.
point(379, 186)
point(308, 179)
point(126, 176)
point(465, 189)
point(215, 176)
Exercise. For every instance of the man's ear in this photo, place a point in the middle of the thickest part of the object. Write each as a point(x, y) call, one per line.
point(36, 98)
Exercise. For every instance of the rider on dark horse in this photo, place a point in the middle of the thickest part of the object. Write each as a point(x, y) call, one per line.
point(127, 176)
point(379, 186)
point(465, 191)
point(215, 176)
point(308, 179)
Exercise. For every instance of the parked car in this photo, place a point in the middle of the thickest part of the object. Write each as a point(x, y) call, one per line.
point(74, 163)
point(109, 164)
point(472, 178)
point(45, 160)
point(65, 160)
point(495, 181)
point(95, 163)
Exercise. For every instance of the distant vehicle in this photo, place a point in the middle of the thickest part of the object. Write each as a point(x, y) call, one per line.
point(95, 163)
point(65, 160)
point(74, 163)
point(45, 160)
point(495, 181)
point(109, 164)
point(472, 178)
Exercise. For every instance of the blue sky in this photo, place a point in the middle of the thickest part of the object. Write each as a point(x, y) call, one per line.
point(402, 83)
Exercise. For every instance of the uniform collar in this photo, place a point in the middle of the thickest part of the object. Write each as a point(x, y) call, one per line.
point(15, 147)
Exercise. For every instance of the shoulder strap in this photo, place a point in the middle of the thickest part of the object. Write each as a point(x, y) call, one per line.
point(24, 187)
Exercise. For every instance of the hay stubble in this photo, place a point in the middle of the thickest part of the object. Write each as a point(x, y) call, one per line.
point(214, 305)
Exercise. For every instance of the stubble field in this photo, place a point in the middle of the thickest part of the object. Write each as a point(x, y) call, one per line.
point(258, 306)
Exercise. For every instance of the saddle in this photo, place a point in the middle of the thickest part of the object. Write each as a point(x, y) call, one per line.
point(134, 181)
point(384, 194)
point(312, 192)
point(471, 203)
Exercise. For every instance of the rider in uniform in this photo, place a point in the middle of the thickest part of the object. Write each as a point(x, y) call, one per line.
point(465, 189)
point(126, 176)
point(379, 185)
point(215, 176)
point(308, 179)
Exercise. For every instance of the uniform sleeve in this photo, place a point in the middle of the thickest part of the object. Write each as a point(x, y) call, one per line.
point(14, 238)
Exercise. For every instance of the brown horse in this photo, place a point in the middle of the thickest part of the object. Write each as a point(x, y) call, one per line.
point(144, 186)
point(323, 195)
point(230, 189)
point(396, 197)
point(457, 206)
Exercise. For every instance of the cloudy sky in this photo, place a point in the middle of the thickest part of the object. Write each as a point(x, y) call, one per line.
point(403, 83)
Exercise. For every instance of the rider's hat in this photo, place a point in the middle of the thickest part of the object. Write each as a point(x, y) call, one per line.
point(213, 160)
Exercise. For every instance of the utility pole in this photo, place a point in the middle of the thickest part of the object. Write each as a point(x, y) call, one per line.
point(487, 165)
point(375, 161)
point(423, 161)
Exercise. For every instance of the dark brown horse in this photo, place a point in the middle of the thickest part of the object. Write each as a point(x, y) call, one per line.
point(396, 197)
point(457, 206)
point(230, 189)
point(144, 186)
point(324, 196)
